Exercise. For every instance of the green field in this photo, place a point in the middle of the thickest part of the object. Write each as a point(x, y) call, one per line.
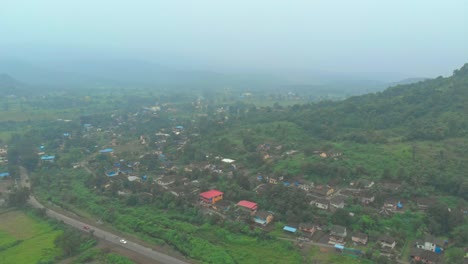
point(24, 239)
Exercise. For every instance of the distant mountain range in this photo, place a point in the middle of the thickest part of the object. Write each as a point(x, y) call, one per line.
point(118, 73)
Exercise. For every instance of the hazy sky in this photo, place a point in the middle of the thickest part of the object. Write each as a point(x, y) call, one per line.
point(423, 38)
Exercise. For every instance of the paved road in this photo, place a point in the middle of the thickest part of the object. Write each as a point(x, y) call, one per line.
point(99, 233)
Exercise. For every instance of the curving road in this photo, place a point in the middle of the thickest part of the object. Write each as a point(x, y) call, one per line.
point(99, 233)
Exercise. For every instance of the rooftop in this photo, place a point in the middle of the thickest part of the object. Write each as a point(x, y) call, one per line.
point(210, 194)
point(248, 204)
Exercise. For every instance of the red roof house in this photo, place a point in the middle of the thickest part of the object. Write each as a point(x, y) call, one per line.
point(248, 205)
point(211, 196)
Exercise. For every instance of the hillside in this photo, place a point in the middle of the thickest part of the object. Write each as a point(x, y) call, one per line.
point(8, 85)
point(417, 131)
point(433, 109)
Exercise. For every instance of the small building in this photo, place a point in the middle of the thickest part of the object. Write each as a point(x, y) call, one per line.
point(366, 198)
point(305, 186)
point(322, 204)
point(360, 238)
point(393, 205)
point(290, 229)
point(133, 178)
point(211, 196)
point(251, 206)
point(3, 151)
point(263, 217)
point(307, 228)
point(48, 158)
point(166, 180)
point(322, 190)
point(387, 242)
point(338, 201)
point(431, 243)
point(228, 161)
point(423, 256)
point(112, 173)
point(107, 150)
point(337, 235)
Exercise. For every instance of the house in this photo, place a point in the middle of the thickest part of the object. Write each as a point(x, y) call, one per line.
point(306, 186)
point(307, 228)
point(321, 203)
point(263, 217)
point(166, 180)
point(337, 235)
point(112, 173)
point(48, 158)
point(387, 242)
point(322, 190)
point(211, 196)
point(247, 205)
point(366, 198)
point(133, 178)
point(107, 150)
point(228, 161)
point(3, 151)
point(430, 243)
point(393, 205)
point(360, 238)
point(338, 201)
point(424, 256)
point(290, 229)
point(275, 180)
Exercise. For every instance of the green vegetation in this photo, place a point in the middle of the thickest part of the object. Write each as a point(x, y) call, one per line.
point(100, 256)
point(25, 239)
point(410, 141)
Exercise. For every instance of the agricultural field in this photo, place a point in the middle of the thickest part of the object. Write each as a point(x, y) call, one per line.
point(25, 239)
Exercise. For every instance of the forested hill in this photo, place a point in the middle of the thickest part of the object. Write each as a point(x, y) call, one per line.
point(433, 109)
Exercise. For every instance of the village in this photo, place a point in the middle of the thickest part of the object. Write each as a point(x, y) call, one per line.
point(149, 164)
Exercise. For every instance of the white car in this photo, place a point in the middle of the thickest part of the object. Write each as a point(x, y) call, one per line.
point(123, 241)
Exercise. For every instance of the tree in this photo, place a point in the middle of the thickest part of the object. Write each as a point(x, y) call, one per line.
point(454, 255)
point(341, 217)
point(19, 197)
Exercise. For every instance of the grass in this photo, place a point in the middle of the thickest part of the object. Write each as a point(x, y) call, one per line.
point(331, 257)
point(244, 249)
point(24, 239)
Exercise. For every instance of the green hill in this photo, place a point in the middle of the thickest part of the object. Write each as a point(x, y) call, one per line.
point(415, 133)
point(433, 109)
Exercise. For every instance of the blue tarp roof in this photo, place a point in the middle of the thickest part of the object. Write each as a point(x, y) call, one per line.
point(260, 221)
point(47, 157)
point(290, 229)
point(107, 150)
point(112, 173)
point(5, 174)
point(179, 127)
point(339, 246)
